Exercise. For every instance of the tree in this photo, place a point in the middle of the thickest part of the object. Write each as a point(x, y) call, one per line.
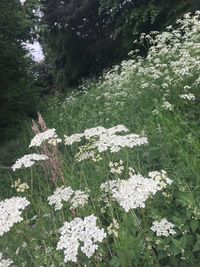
point(82, 37)
point(17, 95)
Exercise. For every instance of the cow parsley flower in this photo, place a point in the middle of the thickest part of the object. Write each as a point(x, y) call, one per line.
point(10, 212)
point(167, 106)
point(20, 187)
point(5, 262)
point(116, 167)
point(189, 97)
point(60, 194)
point(75, 138)
point(161, 177)
point(131, 171)
point(134, 192)
point(115, 143)
point(67, 194)
point(101, 139)
point(113, 228)
point(39, 138)
point(54, 141)
point(80, 233)
point(83, 154)
point(80, 198)
point(28, 160)
point(93, 132)
point(163, 228)
point(105, 137)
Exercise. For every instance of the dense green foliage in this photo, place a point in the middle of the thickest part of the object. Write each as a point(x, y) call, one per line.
point(18, 95)
point(84, 37)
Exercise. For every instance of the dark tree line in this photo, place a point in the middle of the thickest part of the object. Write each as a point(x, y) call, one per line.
point(18, 96)
point(82, 37)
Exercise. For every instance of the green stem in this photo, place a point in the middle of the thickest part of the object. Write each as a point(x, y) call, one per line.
point(146, 239)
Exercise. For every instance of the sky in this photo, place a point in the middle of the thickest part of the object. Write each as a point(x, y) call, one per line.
point(36, 51)
point(35, 48)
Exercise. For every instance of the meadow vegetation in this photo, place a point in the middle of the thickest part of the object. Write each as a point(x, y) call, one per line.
point(111, 175)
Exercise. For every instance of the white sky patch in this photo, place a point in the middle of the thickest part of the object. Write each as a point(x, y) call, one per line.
point(36, 51)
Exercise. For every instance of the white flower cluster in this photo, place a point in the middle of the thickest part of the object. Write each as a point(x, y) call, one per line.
point(28, 160)
point(83, 154)
point(131, 171)
point(80, 198)
point(167, 106)
point(5, 262)
point(54, 141)
point(116, 167)
point(39, 138)
point(102, 139)
point(76, 198)
point(134, 192)
point(115, 143)
point(20, 187)
point(10, 212)
point(80, 233)
point(163, 228)
point(113, 228)
point(189, 97)
point(161, 178)
point(74, 138)
point(173, 60)
point(93, 132)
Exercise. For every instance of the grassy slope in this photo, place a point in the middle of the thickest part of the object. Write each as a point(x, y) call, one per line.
point(173, 146)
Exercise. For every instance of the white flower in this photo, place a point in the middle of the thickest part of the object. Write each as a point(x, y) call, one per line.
point(131, 171)
point(10, 211)
point(93, 132)
point(113, 228)
point(116, 167)
point(80, 198)
point(83, 155)
point(38, 139)
point(161, 177)
point(67, 194)
point(5, 262)
point(54, 141)
point(163, 228)
point(69, 140)
point(189, 97)
point(101, 139)
point(28, 160)
point(60, 194)
point(115, 143)
point(20, 187)
point(96, 131)
point(80, 233)
point(166, 105)
point(134, 192)
point(155, 112)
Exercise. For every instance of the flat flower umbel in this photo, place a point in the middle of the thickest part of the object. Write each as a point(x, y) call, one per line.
point(10, 212)
point(135, 191)
point(163, 228)
point(80, 233)
point(28, 161)
point(100, 139)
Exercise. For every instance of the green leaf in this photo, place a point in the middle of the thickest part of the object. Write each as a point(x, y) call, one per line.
point(115, 262)
point(194, 225)
point(196, 247)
